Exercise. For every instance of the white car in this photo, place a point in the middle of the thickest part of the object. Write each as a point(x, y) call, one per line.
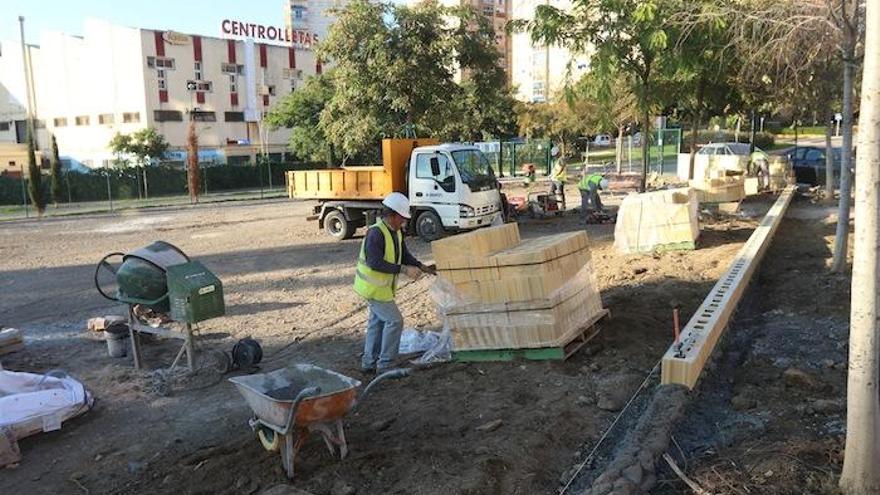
point(602, 140)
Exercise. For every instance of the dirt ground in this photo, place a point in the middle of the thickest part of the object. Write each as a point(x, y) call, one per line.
point(288, 285)
point(770, 417)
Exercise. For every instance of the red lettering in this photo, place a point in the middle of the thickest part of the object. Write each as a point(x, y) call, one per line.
point(262, 32)
point(308, 38)
point(314, 37)
point(225, 26)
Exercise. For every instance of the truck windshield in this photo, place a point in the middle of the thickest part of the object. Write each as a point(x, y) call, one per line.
point(474, 169)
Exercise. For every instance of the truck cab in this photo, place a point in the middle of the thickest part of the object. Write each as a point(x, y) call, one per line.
point(451, 187)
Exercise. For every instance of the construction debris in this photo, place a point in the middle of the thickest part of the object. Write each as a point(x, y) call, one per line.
point(102, 323)
point(11, 340)
point(498, 292)
point(657, 221)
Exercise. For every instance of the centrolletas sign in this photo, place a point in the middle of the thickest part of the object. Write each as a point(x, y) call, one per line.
point(295, 37)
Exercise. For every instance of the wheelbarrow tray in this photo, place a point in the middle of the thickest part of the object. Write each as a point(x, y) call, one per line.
point(338, 394)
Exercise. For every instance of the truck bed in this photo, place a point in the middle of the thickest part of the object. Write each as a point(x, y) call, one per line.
point(362, 183)
point(340, 183)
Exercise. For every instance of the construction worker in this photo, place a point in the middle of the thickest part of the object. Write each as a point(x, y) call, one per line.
point(382, 258)
point(558, 176)
point(761, 167)
point(589, 186)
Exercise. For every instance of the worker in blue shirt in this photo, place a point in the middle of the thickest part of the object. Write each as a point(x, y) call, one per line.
point(383, 256)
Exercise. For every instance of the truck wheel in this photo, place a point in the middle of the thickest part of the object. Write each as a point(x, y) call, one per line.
point(428, 226)
point(336, 225)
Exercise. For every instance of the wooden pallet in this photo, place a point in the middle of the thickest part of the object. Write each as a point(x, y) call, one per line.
point(569, 345)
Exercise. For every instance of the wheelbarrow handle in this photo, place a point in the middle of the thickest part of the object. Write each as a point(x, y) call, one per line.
point(291, 415)
point(388, 375)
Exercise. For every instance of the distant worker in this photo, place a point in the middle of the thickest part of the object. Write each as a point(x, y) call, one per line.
point(382, 258)
point(589, 186)
point(558, 176)
point(528, 170)
point(761, 167)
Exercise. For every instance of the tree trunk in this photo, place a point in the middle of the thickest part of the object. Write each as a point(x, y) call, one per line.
point(829, 162)
point(618, 149)
point(860, 474)
point(695, 133)
point(841, 238)
point(646, 129)
point(192, 162)
point(146, 186)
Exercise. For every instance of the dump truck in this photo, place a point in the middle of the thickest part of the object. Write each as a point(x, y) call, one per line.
point(451, 188)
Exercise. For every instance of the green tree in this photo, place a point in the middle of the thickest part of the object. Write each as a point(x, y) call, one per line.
point(35, 178)
point(300, 111)
point(145, 146)
point(633, 34)
point(55, 171)
point(615, 106)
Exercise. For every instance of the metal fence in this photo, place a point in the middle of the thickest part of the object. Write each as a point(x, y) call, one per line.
point(663, 149)
point(113, 188)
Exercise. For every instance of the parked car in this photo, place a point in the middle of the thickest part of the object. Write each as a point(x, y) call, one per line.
point(808, 163)
point(602, 140)
point(723, 149)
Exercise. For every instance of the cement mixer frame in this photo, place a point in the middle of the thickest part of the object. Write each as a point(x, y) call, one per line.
point(186, 304)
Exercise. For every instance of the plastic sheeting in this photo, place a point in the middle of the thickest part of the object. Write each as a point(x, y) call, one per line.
point(657, 220)
point(32, 403)
point(524, 324)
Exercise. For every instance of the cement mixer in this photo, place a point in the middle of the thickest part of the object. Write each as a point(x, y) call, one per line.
point(161, 280)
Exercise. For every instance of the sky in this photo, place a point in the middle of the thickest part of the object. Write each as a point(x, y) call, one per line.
point(187, 16)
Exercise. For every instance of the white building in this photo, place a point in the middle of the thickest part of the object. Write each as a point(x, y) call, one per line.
point(538, 72)
point(120, 79)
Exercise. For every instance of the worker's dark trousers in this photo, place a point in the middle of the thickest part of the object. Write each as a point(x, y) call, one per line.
point(557, 188)
point(382, 342)
point(590, 201)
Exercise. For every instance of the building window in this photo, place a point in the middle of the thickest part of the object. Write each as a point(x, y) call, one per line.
point(205, 86)
point(233, 87)
point(163, 82)
point(198, 70)
point(232, 69)
point(106, 118)
point(167, 116)
point(200, 116)
point(131, 117)
point(271, 90)
point(233, 116)
point(4, 126)
point(82, 120)
point(60, 122)
point(160, 63)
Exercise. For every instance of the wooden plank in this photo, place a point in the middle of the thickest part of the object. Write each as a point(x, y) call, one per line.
point(10, 348)
point(10, 336)
point(684, 362)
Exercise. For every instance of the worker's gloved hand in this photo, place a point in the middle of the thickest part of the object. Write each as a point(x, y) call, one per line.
point(412, 272)
point(430, 269)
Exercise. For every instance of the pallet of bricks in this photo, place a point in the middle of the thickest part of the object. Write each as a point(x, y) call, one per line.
point(504, 298)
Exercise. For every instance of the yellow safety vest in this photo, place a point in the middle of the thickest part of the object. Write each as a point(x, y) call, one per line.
point(559, 174)
point(372, 284)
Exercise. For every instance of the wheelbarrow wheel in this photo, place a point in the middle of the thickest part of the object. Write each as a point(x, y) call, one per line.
point(269, 439)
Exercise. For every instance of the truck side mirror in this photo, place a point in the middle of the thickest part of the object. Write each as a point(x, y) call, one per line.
point(435, 166)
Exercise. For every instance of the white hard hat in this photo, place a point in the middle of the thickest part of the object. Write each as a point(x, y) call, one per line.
point(603, 183)
point(399, 203)
point(554, 151)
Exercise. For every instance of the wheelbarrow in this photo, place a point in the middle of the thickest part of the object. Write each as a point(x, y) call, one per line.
point(291, 403)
